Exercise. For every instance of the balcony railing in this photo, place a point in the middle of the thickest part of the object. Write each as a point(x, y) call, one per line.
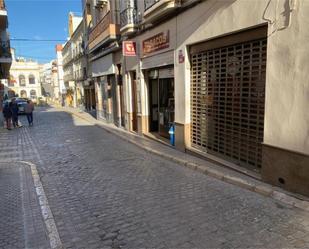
point(128, 16)
point(100, 27)
point(150, 3)
point(104, 32)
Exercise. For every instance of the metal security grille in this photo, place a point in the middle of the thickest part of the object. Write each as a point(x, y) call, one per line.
point(227, 102)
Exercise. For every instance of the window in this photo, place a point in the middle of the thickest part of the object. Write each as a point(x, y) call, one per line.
point(11, 94)
point(31, 79)
point(33, 94)
point(23, 94)
point(22, 80)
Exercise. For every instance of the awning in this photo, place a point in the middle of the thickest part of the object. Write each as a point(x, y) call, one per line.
point(103, 66)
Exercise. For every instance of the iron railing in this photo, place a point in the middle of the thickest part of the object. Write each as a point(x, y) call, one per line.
point(128, 16)
point(149, 3)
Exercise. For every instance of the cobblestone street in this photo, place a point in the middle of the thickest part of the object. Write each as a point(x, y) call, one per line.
point(107, 193)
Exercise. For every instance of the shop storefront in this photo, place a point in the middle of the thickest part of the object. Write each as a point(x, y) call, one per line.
point(103, 73)
point(107, 91)
point(157, 67)
point(161, 100)
point(89, 96)
point(228, 97)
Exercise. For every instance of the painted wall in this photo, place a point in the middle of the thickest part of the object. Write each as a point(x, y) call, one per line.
point(26, 69)
point(287, 86)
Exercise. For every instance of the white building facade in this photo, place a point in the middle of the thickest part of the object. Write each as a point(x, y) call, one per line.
point(74, 63)
point(24, 79)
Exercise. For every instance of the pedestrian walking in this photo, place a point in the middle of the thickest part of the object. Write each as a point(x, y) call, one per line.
point(14, 109)
point(7, 114)
point(29, 112)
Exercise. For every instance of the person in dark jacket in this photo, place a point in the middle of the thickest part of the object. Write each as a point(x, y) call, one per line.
point(7, 114)
point(14, 108)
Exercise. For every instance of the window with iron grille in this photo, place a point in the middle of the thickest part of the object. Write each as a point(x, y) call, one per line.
point(227, 102)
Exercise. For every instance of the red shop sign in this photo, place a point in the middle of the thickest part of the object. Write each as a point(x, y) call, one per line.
point(129, 48)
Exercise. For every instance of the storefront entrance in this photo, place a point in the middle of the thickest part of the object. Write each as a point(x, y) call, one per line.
point(89, 99)
point(134, 102)
point(228, 99)
point(161, 102)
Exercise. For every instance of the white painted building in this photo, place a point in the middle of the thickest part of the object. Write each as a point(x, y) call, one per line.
point(74, 62)
point(24, 78)
point(60, 74)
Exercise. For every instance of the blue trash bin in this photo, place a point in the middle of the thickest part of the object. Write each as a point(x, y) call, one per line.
point(172, 134)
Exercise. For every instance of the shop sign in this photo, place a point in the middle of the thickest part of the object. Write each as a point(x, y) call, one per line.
point(157, 42)
point(181, 57)
point(129, 48)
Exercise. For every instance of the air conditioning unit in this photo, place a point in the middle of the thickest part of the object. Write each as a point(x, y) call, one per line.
point(101, 3)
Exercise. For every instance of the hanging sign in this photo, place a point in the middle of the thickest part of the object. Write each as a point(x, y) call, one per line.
point(157, 42)
point(129, 48)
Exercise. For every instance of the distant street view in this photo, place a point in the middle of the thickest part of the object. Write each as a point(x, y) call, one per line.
point(154, 124)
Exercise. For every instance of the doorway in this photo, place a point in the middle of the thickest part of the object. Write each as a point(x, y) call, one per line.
point(134, 102)
point(228, 100)
point(121, 96)
point(161, 105)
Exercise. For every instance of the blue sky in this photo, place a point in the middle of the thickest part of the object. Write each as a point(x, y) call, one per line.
point(39, 19)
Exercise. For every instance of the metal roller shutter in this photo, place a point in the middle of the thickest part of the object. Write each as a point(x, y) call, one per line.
point(227, 101)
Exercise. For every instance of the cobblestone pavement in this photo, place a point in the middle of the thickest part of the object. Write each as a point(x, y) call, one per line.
point(107, 193)
point(21, 223)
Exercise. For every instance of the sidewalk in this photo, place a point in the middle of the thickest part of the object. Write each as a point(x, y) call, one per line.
point(21, 225)
point(195, 163)
point(26, 220)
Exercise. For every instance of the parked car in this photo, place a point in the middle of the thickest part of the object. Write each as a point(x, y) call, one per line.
point(21, 103)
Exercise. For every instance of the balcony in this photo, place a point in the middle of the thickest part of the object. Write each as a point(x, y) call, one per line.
point(3, 16)
point(128, 20)
point(105, 31)
point(156, 9)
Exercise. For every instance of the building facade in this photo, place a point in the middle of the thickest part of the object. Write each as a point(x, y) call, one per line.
point(105, 59)
point(5, 53)
point(46, 80)
point(75, 64)
point(231, 80)
point(24, 79)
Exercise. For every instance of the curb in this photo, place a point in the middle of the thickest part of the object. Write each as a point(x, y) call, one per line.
point(262, 189)
point(53, 235)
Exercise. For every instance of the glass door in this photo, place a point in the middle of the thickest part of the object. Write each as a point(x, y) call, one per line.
point(166, 106)
point(154, 105)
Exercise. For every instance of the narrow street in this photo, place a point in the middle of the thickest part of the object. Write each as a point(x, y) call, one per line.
point(107, 193)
